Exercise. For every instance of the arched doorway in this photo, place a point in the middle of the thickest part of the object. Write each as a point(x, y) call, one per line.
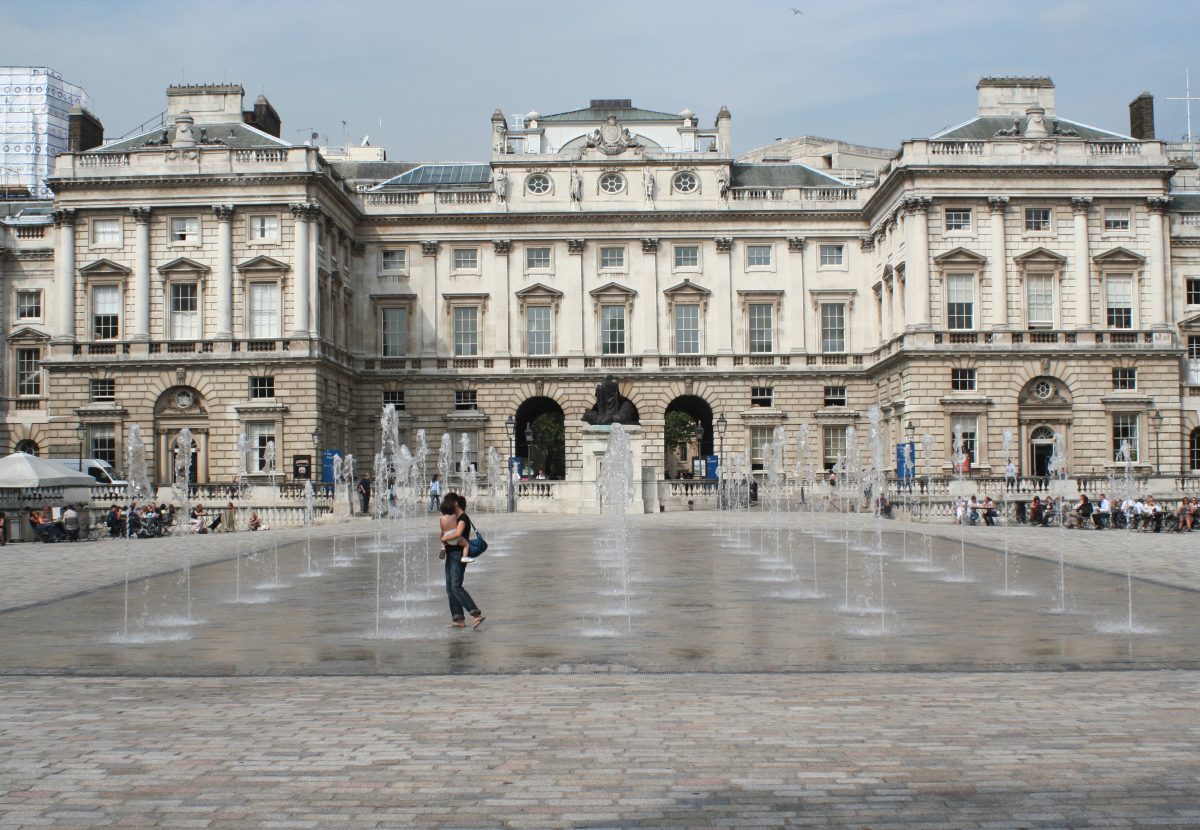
point(176, 408)
point(1046, 409)
point(679, 445)
point(28, 446)
point(547, 452)
point(1041, 447)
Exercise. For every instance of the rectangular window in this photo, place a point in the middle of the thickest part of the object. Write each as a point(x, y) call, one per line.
point(1125, 428)
point(1193, 291)
point(1124, 379)
point(835, 395)
point(687, 256)
point(759, 438)
point(456, 437)
point(465, 399)
point(185, 311)
point(1116, 219)
point(106, 312)
point(466, 331)
point(466, 259)
point(395, 260)
point(185, 230)
point(1193, 346)
point(264, 310)
point(833, 327)
point(102, 389)
point(537, 330)
point(968, 426)
point(1040, 300)
point(102, 442)
point(761, 327)
point(834, 446)
point(264, 228)
point(394, 397)
point(29, 372)
point(537, 259)
point(612, 258)
point(762, 396)
point(958, 219)
point(29, 305)
point(612, 329)
point(832, 255)
point(1118, 291)
point(960, 301)
point(259, 434)
point(962, 380)
point(758, 256)
point(1037, 219)
point(106, 233)
point(262, 386)
point(687, 328)
point(393, 324)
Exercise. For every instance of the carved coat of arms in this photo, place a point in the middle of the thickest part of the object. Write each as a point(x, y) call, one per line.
point(611, 138)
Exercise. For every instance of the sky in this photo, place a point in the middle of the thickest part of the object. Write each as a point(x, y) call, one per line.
point(422, 79)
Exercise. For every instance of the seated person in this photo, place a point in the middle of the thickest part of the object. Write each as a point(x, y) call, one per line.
point(1186, 514)
point(1102, 514)
point(973, 511)
point(1022, 512)
point(1155, 518)
point(987, 509)
point(44, 526)
point(114, 522)
point(1081, 513)
point(254, 522)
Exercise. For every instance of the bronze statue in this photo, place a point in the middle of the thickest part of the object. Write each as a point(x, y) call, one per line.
point(610, 407)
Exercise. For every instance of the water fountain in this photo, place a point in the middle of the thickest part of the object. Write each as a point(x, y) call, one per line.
point(1058, 476)
point(875, 441)
point(139, 487)
point(928, 565)
point(958, 461)
point(1124, 491)
point(614, 487)
point(1008, 590)
point(184, 447)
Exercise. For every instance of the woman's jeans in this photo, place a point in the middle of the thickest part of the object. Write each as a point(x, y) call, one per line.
point(459, 598)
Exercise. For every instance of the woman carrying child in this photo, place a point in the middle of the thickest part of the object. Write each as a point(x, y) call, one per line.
point(454, 531)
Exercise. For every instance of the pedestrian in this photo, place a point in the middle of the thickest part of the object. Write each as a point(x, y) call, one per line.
point(364, 492)
point(3, 529)
point(454, 517)
point(1010, 476)
point(70, 520)
point(435, 492)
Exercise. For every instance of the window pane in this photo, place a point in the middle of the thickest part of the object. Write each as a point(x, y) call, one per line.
point(1116, 219)
point(612, 257)
point(834, 446)
point(1193, 291)
point(833, 327)
point(1125, 428)
point(960, 301)
point(1040, 288)
point(29, 371)
point(102, 442)
point(761, 327)
point(466, 259)
point(106, 312)
point(759, 438)
point(1037, 219)
point(967, 425)
point(1119, 294)
point(264, 310)
point(537, 330)
point(687, 256)
point(29, 305)
point(537, 258)
point(831, 254)
point(394, 260)
point(958, 219)
point(185, 229)
point(264, 228)
point(394, 322)
point(687, 329)
point(612, 329)
point(185, 315)
point(759, 255)
point(466, 332)
point(259, 435)
point(106, 231)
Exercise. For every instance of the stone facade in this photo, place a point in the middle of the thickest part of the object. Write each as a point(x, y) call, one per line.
point(1020, 272)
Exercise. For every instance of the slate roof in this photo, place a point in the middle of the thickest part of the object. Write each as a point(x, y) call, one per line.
point(235, 134)
point(782, 175)
point(623, 115)
point(465, 174)
point(983, 127)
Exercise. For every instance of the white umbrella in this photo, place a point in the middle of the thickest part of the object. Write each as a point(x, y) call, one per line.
point(21, 470)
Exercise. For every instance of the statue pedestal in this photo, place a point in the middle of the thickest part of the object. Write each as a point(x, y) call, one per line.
point(595, 444)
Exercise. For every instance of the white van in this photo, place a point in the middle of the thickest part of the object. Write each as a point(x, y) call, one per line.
point(97, 468)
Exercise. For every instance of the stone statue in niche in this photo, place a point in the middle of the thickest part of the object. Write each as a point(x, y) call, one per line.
point(576, 186)
point(500, 185)
point(723, 182)
point(648, 184)
point(611, 407)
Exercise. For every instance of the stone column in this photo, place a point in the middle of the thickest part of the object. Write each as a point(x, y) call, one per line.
point(650, 252)
point(430, 326)
point(1156, 266)
point(727, 310)
point(141, 273)
point(224, 214)
point(1083, 264)
point(503, 339)
point(300, 269)
point(796, 304)
point(916, 260)
point(885, 308)
point(64, 221)
point(576, 340)
point(998, 205)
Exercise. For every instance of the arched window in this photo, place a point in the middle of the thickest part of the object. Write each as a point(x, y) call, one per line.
point(28, 446)
point(1194, 449)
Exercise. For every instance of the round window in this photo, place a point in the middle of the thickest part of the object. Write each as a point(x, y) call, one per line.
point(612, 183)
point(538, 184)
point(686, 183)
point(1043, 389)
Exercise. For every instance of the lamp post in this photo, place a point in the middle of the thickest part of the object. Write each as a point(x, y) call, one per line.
point(910, 433)
point(510, 425)
point(316, 439)
point(722, 423)
point(698, 434)
point(1156, 419)
point(81, 433)
point(529, 440)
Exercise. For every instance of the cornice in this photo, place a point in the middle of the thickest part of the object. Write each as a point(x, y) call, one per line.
point(576, 218)
point(29, 254)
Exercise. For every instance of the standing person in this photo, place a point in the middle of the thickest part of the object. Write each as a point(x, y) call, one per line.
point(364, 492)
point(455, 522)
point(70, 520)
point(1010, 476)
point(435, 492)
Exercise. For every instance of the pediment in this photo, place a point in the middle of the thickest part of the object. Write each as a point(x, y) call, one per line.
point(183, 264)
point(539, 290)
point(104, 266)
point(1042, 256)
point(687, 288)
point(613, 289)
point(263, 263)
point(961, 256)
point(1119, 256)
point(25, 334)
point(1191, 323)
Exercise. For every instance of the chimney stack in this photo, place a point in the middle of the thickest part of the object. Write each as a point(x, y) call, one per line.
point(1141, 117)
point(84, 130)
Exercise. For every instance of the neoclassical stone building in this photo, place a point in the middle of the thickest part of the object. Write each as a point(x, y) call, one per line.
point(1020, 272)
